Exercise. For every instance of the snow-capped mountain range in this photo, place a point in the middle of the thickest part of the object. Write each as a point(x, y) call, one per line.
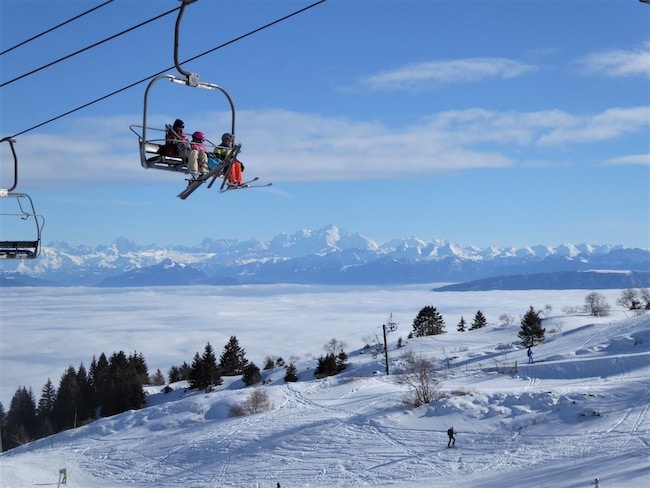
point(326, 256)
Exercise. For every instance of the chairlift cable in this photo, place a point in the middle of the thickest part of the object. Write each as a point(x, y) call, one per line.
point(80, 107)
point(168, 69)
point(54, 28)
point(88, 47)
point(255, 31)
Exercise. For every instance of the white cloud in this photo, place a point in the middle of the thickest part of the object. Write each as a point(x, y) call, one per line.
point(280, 145)
point(607, 125)
point(618, 62)
point(432, 73)
point(632, 159)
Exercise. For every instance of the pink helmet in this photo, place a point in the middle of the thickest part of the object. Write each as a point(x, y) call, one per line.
point(198, 136)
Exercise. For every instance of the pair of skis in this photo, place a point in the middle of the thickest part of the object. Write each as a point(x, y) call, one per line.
point(214, 173)
point(245, 185)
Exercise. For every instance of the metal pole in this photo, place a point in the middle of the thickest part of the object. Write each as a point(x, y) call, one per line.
point(386, 349)
point(389, 327)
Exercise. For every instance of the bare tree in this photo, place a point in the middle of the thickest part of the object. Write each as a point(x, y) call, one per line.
point(645, 297)
point(334, 346)
point(506, 319)
point(257, 402)
point(421, 377)
point(596, 304)
point(157, 379)
point(629, 299)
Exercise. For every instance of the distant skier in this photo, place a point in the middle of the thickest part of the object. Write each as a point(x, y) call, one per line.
point(596, 483)
point(530, 356)
point(452, 438)
point(63, 476)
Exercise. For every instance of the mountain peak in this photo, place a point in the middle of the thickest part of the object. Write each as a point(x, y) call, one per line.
point(329, 255)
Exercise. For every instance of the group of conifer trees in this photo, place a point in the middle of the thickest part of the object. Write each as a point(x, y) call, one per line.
point(205, 373)
point(430, 322)
point(109, 386)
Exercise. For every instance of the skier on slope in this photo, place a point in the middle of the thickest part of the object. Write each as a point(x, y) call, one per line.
point(452, 438)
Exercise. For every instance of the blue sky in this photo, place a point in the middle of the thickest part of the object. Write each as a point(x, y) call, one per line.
point(483, 122)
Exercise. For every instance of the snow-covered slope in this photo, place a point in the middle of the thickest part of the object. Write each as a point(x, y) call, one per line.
point(578, 413)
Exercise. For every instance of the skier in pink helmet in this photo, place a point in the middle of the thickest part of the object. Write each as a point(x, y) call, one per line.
point(197, 159)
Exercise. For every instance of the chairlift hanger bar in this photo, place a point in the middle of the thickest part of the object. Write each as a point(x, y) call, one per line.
point(192, 78)
point(11, 141)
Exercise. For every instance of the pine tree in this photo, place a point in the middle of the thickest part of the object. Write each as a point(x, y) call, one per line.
point(46, 402)
point(138, 366)
point(269, 363)
point(115, 395)
point(98, 378)
point(211, 374)
point(461, 325)
point(428, 322)
point(233, 359)
point(531, 329)
point(196, 373)
point(291, 375)
point(479, 321)
point(330, 364)
point(21, 419)
point(3, 415)
point(86, 407)
point(179, 373)
point(45, 410)
point(3, 424)
point(326, 366)
point(251, 374)
point(68, 398)
point(341, 361)
point(204, 372)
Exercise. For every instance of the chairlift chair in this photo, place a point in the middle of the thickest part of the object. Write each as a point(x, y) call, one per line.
point(20, 221)
point(150, 144)
point(152, 139)
point(25, 242)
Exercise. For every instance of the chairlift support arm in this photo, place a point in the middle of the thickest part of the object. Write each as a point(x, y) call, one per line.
point(11, 142)
point(192, 79)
